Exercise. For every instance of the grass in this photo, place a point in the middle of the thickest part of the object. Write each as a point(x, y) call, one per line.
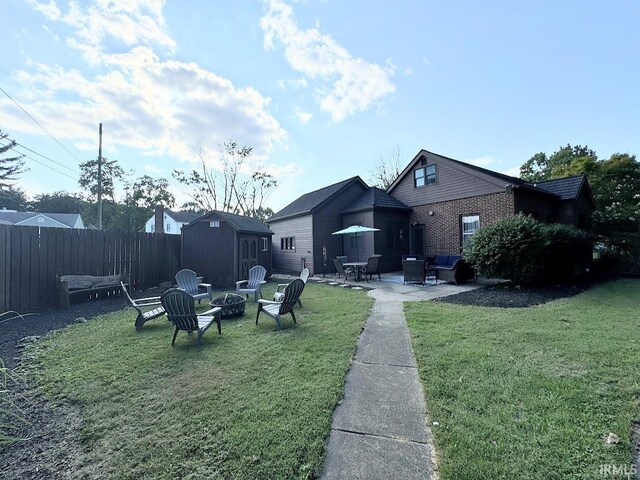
point(252, 403)
point(531, 393)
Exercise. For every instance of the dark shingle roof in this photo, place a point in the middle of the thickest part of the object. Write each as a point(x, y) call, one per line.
point(376, 198)
point(182, 216)
point(566, 188)
point(245, 224)
point(68, 219)
point(309, 201)
point(239, 222)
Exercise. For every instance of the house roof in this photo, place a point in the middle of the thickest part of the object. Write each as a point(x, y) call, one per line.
point(12, 218)
point(240, 223)
point(309, 202)
point(183, 217)
point(566, 188)
point(376, 198)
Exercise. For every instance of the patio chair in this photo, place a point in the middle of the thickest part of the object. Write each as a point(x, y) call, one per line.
point(340, 270)
point(188, 281)
point(275, 310)
point(414, 271)
point(181, 311)
point(373, 267)
point(140, 305)
point(254, 283)
point(343, 258)
point(278, 296)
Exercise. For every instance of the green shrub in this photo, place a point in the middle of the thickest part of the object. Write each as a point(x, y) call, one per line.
point(523, 250)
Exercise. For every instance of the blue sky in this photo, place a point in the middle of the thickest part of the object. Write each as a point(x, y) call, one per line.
point(319, 88)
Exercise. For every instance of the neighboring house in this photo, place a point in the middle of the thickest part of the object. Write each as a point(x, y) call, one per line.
point(169, 221)
point(434, 206)
point(452, 199)
point(223, 246)
point(37, 219)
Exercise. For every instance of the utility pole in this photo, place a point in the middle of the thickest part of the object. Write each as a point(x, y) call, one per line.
point(100, 180)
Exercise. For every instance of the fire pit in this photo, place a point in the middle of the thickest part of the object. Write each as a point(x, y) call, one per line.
point(232, 304)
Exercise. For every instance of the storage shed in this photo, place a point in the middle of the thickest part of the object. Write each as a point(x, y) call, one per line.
point(222, 247)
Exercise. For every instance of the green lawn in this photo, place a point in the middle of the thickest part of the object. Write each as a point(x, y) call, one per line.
point(253, 403)
point(531, 393)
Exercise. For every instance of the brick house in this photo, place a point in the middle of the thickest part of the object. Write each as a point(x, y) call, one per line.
point(433, 207)
point(452, 199)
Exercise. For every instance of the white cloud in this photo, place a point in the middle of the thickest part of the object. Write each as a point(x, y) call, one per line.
point(152, 168)
point(303, 117)
point(356, 84)
point(161, 107)
point(407, 71)
point(512, 171)
point(484, 162)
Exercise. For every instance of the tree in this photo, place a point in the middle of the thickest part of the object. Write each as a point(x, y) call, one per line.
point(13, 198)
point(388, 168)
point(235, 187)
point(111, 172)
point(10, 166)
point(147, 192)
point(540, 167)
point(59, 202)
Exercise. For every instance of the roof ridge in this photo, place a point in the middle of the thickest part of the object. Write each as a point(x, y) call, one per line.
point(582, 175)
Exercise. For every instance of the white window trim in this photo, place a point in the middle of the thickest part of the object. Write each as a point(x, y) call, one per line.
point(468, 219)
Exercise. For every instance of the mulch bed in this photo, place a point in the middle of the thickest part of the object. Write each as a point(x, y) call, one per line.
point(513, 296)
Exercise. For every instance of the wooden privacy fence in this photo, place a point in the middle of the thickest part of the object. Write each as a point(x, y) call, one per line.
point(32, 259)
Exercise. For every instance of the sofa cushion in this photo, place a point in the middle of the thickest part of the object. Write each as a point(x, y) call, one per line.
point(453, 259)
point(442, 260)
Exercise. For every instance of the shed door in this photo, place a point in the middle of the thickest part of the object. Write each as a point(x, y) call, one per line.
point(248, 255)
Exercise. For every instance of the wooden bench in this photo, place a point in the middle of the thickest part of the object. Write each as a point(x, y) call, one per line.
point(88, 287)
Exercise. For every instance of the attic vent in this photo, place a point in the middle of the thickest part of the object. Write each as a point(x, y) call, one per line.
point(214, 223)
point(423, 160)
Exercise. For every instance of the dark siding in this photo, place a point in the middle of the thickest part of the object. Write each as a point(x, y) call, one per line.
point(453, 182)
point(265, 258)
point(544, 208)
point(287, 261)
point(391, 256)
point(328, 219)
point(207, 251)
point(366, 243)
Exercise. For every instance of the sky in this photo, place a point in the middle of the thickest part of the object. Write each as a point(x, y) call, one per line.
point(321, 89)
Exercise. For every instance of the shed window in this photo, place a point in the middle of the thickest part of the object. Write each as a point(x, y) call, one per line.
point(167, 227)
point(265, 244)
point(288, 243)
point(470, 224)
point(424, 176)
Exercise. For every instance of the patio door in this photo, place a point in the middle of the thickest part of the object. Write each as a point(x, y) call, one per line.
point(248, 255)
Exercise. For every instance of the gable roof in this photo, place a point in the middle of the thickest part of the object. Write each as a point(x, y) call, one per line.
point(311, 201)
point(13, 218)
point(183, 217)
point(240, 223)
point(567, 188)
point(376, 198)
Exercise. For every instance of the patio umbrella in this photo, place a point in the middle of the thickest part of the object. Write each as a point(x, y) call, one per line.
point(355, 230)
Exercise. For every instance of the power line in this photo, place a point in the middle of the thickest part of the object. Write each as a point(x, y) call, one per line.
point(45, 165)
point(47, 158)
point(39, 124)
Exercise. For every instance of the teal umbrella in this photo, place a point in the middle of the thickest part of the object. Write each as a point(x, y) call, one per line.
point(355, 230)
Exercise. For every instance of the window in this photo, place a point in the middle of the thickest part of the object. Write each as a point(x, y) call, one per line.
point(394, 233)
point(265, 244)
point(288, 243)
point(424, 176)
point(470, 224)
point(167, 227)
point(40, 220)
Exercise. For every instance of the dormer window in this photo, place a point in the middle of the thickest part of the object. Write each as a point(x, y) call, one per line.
point(424, 176)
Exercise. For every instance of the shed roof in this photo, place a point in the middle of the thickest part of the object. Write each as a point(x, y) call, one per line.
point(12, 218)
point(308, 202)
point(566, 188)
point(376, 198)
point(240, 223)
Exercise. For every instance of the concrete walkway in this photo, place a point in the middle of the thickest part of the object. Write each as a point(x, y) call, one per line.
point(379, 429)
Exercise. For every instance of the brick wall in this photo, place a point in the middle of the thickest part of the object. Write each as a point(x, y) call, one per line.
point(443, 228)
